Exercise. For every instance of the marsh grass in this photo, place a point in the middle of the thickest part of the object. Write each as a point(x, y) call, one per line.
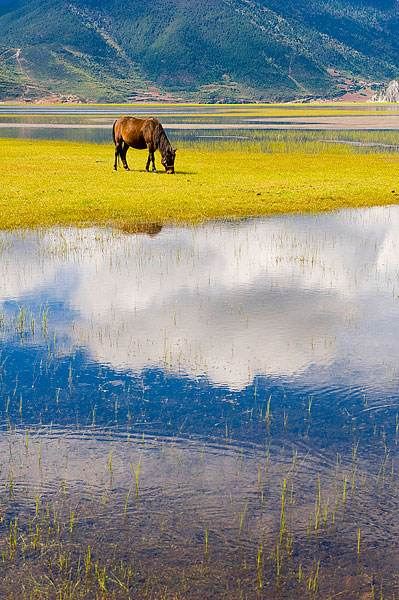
point(71, 543)
point(63, 183)
point(62, 548)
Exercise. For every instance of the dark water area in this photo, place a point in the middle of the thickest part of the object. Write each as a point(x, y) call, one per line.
point(265, 141)
point(206, 412)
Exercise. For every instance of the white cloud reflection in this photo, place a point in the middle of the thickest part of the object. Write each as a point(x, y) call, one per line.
point(228, 301)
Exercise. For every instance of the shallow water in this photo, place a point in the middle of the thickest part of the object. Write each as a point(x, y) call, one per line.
point(191, 123)
point(164, 393)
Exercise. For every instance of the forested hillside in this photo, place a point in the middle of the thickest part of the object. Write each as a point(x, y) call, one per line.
point(114, 50)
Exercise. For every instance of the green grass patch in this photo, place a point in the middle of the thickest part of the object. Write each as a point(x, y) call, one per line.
point(47, 183)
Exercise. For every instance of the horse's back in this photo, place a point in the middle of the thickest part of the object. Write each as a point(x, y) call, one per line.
point(134, 131)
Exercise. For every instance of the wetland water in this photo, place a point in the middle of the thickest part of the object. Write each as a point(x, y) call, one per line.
point(192, 123)
point(208, 412)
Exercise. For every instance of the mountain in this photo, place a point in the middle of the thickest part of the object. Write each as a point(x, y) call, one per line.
point(209, 50)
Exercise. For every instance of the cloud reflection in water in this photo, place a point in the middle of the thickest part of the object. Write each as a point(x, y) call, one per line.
point(229, 301)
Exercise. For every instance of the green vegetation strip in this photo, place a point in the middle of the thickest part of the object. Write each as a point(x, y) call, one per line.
point(64, 183)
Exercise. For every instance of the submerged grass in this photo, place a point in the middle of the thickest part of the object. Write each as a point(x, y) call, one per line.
point(72, 532)
point(47, 183)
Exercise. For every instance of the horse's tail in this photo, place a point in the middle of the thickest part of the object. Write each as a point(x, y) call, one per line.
point(113, 132)
point(114, 138)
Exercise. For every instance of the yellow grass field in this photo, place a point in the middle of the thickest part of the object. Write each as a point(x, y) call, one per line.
point(45, 183)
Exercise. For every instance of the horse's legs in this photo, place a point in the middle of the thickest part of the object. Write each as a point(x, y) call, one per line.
point(123, 153)
point(151, 158)
point(118, 149)
point(147, 167)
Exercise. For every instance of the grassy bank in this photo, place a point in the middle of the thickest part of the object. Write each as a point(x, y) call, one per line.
point(47, 183)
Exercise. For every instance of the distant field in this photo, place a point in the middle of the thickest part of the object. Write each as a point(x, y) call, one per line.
point(47, 183)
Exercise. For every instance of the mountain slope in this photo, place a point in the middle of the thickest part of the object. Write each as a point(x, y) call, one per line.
point(200, 49)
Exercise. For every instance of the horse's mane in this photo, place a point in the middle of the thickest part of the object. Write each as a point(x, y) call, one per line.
point(161, 139)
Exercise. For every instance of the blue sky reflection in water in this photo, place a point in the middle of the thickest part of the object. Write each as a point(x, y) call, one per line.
point(276, 336)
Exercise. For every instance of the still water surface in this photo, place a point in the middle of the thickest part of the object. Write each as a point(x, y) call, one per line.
point(216, 406)
point(191, 123)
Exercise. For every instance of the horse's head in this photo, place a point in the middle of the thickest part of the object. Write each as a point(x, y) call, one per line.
point(168, 160)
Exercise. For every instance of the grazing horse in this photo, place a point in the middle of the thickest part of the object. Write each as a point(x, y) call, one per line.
point(130, 132)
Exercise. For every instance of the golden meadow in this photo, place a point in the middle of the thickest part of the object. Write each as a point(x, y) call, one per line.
point(46, 183)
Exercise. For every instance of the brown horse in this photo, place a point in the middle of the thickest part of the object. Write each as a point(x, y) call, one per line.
point(130, 132)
